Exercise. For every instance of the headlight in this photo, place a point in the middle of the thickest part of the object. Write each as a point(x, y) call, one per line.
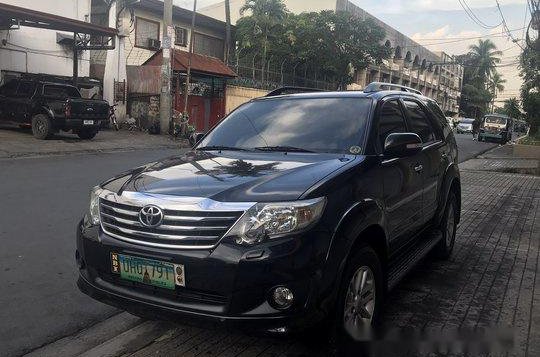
point(93, 211)
point(270, 220)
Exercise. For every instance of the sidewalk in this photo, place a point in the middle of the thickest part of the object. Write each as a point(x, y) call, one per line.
point(502, 159)
point(490, 283)
point(15, 143)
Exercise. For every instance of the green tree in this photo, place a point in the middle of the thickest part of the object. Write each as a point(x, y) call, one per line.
point(480, 79)
point(484, 57)
point(262, 27)
point(496, 85)
point(511, 108)
point(329, 44)
point(530, 90)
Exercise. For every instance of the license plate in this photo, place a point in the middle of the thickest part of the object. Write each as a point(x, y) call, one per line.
point(88, 122)
point(148, 271)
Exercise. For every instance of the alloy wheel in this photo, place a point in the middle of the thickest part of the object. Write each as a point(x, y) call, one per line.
point(359, 303)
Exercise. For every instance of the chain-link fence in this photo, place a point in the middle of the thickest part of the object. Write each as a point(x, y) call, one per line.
point(277, 73)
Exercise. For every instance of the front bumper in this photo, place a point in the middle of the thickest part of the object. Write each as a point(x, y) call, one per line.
point(230, 285)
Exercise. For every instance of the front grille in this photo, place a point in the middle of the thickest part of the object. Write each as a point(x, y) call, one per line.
point(179, 229)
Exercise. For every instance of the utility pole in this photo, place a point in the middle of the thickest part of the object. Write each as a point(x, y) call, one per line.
point(227, 31)
point(165, 95)
point(191, 37)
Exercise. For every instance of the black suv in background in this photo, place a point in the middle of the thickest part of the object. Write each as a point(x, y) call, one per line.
point(295, 209)
point(48, 107)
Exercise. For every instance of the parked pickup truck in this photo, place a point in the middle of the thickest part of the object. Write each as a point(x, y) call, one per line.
point(50, 107)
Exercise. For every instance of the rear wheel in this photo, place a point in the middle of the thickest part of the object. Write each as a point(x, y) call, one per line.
point(360, 296)
point(41, 126)
point(448, 228)
point(87, 134)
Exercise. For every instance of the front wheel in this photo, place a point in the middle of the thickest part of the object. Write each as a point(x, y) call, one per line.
point(360, 296)
point(448, 228)
point(41, 127)
point(87, 134)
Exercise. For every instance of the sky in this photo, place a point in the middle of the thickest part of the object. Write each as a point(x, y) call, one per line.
point(443, 25)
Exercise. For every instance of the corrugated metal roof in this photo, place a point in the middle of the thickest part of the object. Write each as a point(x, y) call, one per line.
point(199, 63)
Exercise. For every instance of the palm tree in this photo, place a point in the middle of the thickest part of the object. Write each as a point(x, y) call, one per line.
point(484, 57)
point(265, 15)
point(496, 85)
point(512, 108)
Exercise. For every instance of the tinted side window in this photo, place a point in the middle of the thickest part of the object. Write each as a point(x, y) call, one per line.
point(26, 89)
point(419, 121)
point(9, 88)
point(391, 121)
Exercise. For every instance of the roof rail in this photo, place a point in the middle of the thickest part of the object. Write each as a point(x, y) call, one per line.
point(380, 86)
point(292, 90)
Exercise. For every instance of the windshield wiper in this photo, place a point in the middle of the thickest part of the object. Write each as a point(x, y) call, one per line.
point(219, 148)
point(282, 149)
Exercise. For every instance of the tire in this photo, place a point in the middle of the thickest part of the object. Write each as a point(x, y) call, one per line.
point(41, 127)
point(448, 227)
point(87, 134)
point(356, 320)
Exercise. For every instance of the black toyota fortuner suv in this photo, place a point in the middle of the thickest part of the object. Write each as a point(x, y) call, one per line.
point(296, 209)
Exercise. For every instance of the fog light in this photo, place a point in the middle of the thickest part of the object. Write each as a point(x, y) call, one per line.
point(283, 297)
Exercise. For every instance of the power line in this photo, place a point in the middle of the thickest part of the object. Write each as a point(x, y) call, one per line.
point(469, 37)
point(505, 26)
point(473, 16)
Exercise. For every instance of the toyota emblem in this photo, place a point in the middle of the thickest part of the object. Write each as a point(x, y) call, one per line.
point(151, 216)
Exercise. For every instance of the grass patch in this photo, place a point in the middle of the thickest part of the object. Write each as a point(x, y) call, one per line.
point(530, 140)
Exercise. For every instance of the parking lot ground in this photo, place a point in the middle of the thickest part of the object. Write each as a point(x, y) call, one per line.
point(15, 142)
point(489, 290)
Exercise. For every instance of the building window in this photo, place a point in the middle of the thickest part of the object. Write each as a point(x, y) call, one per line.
point(208, 45)
point(180, 35)
point(145, 30)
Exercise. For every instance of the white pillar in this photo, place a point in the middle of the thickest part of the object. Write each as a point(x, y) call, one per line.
point(115, 66)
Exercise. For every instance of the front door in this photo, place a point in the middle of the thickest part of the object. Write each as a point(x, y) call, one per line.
point(402, 180)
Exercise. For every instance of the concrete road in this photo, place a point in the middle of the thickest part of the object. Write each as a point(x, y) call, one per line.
point(469, 148)
point(42, 199)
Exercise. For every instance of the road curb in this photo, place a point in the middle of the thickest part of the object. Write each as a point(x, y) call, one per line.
point(86, 339)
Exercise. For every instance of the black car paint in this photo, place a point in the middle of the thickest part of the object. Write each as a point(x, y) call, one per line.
point(20, 109)
point(365, 193)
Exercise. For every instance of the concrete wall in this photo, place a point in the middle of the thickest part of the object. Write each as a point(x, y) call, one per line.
point(236, 96)
point(35, 50)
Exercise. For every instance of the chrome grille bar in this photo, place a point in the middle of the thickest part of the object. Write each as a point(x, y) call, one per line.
point(188, 223)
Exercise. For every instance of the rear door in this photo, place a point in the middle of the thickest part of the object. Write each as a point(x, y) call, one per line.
point(432, 157)
point(23, 101)
point(402, 184)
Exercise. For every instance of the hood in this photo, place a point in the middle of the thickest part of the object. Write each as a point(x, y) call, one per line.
point(232, 176)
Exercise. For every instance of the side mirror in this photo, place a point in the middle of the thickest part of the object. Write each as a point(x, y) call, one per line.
point(195, 138)
point(402, 145)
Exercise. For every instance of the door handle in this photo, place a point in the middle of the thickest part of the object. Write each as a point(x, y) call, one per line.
point(418, 168)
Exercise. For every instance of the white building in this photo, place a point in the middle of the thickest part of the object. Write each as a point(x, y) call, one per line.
point(36, 50)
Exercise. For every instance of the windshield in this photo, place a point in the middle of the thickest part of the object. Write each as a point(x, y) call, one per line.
point(496, 120)
point(466, 121)
point(296, 124)
point(55, 91)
